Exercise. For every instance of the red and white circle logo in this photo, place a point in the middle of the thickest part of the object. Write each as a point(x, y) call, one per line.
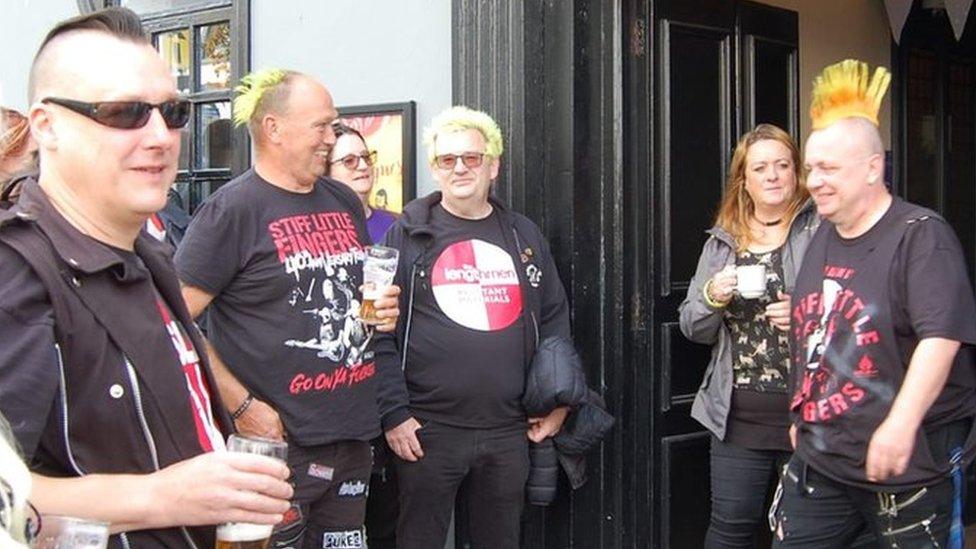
point(475, 285)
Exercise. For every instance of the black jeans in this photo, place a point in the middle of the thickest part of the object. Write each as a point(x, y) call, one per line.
point(741, 478)
point(382, 504)
point(493, 463)
point(818, 512)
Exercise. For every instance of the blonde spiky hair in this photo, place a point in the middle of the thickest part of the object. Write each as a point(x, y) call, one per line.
point(462, 118)
point(252, 89)
point(842, 91)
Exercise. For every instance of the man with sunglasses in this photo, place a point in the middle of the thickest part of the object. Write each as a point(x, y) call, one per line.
point(100, 373)
point(483, 293)
point(277, 255)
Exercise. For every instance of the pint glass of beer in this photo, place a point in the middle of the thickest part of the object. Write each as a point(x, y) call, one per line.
point(240, 535)
point(378, 272)
point(61, 532)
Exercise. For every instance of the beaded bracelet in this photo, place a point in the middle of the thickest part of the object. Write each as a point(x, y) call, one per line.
point(236, 414)
point(708, 299)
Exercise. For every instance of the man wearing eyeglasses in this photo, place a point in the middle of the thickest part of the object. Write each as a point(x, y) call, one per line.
point(277, 255)
point(483, 291)
point(100, 374)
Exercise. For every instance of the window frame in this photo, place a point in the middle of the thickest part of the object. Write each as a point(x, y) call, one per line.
point(195, 184)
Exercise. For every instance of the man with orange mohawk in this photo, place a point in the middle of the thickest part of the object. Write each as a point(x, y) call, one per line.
point(882, 324)
point(277, 254)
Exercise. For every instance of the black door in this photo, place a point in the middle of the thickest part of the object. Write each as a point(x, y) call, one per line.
point(719, 68)
point(935, 130)
point(935, 125)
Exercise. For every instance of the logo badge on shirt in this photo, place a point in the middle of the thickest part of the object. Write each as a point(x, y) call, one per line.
point(475, 284)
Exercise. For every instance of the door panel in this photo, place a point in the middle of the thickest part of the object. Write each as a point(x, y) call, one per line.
point(768, 67)
point(960, 189)
point(694, 132)
point(697, 141)
point(922, 131)
point(721, 67)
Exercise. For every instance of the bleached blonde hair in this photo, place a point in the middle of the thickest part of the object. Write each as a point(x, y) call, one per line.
point(460, 118)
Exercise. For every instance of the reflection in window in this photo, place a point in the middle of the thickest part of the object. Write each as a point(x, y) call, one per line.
point(214, 57)
point(174, 46)
point(185, 147)
point(214, 133)
point(151, 6)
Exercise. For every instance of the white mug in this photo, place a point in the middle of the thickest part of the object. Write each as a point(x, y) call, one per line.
point(751, 281)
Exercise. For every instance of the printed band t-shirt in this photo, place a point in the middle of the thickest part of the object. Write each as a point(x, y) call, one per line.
point(465, 362)
point(860, 307)
point(286, 268)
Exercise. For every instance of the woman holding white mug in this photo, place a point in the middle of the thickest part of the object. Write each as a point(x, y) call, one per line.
point(738, 302)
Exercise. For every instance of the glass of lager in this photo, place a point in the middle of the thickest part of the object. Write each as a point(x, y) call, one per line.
point(240, 535)
point(378, 272)
point(61, 532)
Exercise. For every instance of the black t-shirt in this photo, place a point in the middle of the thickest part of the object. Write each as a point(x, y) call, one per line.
point(465, 362)
point(930, 295)
point(859, 309)
point(285, 269)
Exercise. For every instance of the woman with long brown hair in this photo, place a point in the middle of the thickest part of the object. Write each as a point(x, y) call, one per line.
point(738, 302)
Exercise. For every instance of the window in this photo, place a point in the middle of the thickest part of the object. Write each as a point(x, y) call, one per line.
point(205, 44)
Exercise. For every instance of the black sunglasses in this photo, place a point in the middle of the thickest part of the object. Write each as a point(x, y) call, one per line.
point(351, 161)
point(127, 115)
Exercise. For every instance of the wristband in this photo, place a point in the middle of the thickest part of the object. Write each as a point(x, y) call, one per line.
point(236, 414)
point(708, 299)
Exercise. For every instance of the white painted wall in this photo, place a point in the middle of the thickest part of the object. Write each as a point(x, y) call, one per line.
point(376, 51)
point(834, 30)
point(23, 24)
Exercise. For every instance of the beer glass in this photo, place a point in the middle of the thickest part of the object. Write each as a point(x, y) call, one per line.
point(240, 535)
point(62, 532)
point(378, 272)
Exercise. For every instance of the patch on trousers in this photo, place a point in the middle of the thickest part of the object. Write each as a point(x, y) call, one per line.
point(288, 533)
point(293, 517)
point(352, 488)
point(323, 472)
point(350, 539)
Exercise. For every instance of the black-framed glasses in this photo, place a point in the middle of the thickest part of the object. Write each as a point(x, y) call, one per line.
point(471, 160)
point(127, 115)
point(351, 161)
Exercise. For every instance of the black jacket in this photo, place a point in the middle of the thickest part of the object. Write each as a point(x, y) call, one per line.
point(555, 379)
point(97, 351)
point(545, 307)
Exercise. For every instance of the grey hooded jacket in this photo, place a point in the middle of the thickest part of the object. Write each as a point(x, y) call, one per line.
point(704, 324)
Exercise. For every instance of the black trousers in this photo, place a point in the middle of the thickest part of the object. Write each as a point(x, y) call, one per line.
point(383, 503)
point(741, 479)
point(493, 464)
point(331, 482)
point(815, 511)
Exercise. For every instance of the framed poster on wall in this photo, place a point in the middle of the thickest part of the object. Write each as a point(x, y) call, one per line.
point(388, 128)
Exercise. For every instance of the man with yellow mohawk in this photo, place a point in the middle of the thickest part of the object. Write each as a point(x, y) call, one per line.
point(277, 255)
point(883, 396)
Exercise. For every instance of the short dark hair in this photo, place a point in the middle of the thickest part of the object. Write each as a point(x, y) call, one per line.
point(340, 129)
point(120, 23)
